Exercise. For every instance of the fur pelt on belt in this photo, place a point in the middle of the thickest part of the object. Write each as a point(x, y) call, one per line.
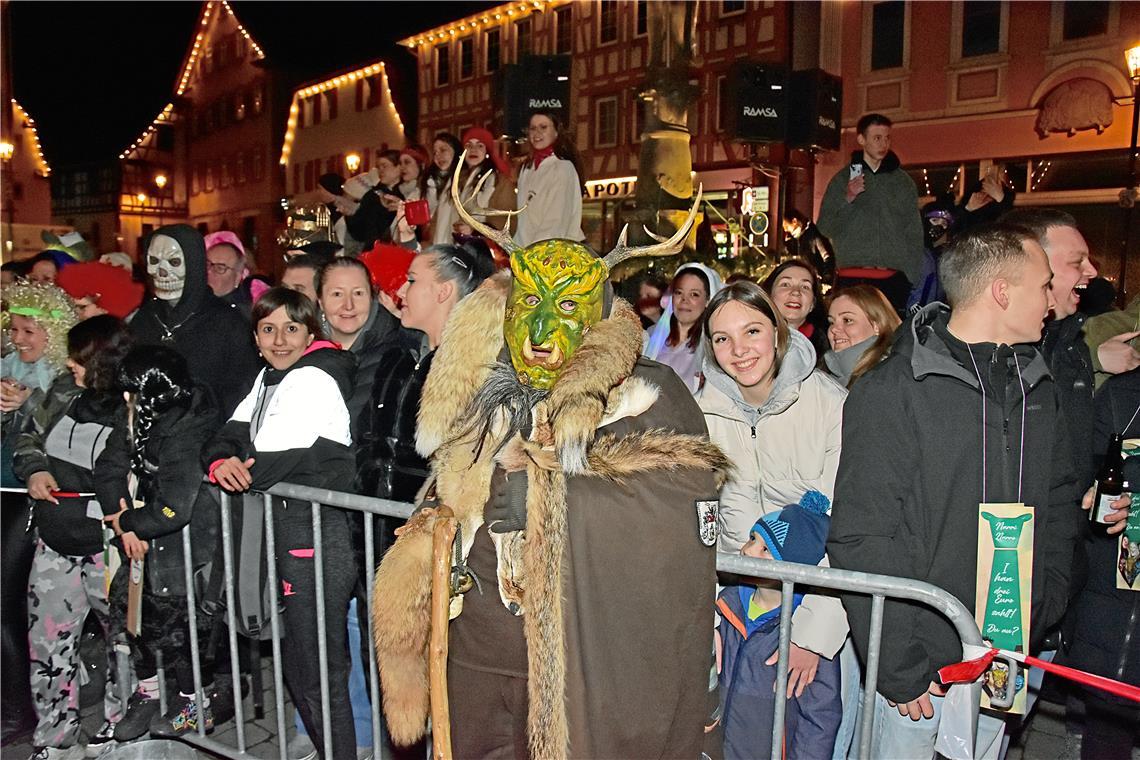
point(594, 389)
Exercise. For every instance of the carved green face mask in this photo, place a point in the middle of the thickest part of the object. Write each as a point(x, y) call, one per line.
point(555, 297)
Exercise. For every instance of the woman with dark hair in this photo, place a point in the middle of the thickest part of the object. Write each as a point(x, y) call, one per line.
point(779, 421)
point(862, 328)
point(794, 287)
point(151, 461)
point(372, 218)
point(676, 337)
point(55, 455)
point(550, 184)
point(436, 186)
point(294, 427)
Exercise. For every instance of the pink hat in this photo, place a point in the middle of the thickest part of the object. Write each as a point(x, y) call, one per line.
point(224, 237)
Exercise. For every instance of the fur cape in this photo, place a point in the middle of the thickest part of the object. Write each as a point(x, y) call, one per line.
point(594, 389)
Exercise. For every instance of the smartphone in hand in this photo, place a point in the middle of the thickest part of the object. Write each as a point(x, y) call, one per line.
point(856, 171)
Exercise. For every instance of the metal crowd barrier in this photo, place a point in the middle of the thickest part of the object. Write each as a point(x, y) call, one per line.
point(879, 587)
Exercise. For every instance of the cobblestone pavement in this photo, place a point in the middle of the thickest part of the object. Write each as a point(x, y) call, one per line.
point(1047, 737)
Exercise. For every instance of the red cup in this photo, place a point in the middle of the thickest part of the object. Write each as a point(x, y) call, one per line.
point(417, 212)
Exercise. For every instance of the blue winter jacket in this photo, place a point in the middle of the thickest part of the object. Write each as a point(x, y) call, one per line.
point(747, 700)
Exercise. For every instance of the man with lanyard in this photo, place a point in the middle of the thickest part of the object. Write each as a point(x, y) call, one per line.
point(911, 483)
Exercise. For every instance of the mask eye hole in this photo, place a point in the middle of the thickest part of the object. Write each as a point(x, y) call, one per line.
point(567, 305)
point(531, 300)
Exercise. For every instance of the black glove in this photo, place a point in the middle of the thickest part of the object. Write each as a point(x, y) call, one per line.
point(506, 510)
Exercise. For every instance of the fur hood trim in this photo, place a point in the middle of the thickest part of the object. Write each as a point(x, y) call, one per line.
point(471, 342)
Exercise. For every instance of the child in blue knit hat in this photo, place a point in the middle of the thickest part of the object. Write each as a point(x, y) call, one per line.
point(750, 632)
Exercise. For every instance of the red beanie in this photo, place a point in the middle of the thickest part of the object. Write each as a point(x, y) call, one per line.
point(110, 287)
point(388, 266)
point(416, 152)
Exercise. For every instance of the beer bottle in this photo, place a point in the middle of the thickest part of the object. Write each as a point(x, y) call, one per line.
point(1109, 482)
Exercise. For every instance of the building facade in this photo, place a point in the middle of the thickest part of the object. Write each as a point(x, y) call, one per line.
point(24, 185)
point(1038, 88)
point(608, 42)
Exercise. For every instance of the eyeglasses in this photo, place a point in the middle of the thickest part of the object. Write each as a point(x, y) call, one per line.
point(219, 268)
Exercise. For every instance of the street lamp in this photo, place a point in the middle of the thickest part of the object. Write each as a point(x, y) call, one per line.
point(1128, 197)
point(160, 180)
point(352, 161)
point(6, 150)
point(141, 198)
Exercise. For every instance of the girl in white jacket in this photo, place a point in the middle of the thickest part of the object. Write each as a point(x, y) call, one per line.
point(550, 187)
point(780, 422)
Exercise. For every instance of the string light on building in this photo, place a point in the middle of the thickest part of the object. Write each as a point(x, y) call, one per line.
point(164, 117)
point(196, 50)
point(1044, 166)
point(513, 10)
point(330, 83)
point(954, 181)
point(30, 125)
point(926, 181)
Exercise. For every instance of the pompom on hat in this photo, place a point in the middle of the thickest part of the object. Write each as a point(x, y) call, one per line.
point(798, 532)
point(388, 266)
point(110, 287)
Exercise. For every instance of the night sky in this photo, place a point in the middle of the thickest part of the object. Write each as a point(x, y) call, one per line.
point(94, 74)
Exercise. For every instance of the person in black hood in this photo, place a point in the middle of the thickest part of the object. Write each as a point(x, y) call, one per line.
point(183, 313)
point(294, 426)
point(150, 460)
point(962, 412)
point(870, 213)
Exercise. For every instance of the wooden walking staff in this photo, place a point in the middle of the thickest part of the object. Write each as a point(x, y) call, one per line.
point(443, 537)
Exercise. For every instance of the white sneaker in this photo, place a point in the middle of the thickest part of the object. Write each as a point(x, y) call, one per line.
point(102, 741)
point(300, 747)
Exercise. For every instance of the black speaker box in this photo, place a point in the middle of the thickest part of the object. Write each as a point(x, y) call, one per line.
point(537, 83)
point(816, 110)
point(758, 102)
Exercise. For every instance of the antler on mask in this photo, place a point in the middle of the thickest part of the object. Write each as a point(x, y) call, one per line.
point(502, 238)
point(667, 247)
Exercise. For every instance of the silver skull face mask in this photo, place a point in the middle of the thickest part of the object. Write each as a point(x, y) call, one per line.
point(166, 265)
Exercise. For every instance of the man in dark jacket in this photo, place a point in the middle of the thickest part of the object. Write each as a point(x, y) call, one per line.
point(870, 213)
point(184, 314)
point(964, 411)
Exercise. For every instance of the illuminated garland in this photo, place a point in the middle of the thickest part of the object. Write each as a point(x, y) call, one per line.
point(30, 125)
point(511, 11)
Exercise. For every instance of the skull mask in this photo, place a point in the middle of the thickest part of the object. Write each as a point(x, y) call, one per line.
point(166, 265)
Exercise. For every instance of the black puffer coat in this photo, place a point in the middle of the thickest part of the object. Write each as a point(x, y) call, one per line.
point(65, 436)
point(169, 491)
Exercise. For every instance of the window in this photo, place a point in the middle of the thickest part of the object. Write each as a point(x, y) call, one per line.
point(1085, 19)
point(723, 104)
point(216, 115)
point(209, 184)
point(728, 7)
point(522, 39)
point(359, 94)
point(164, 138)
point(331, 98)
point(642, 17)
point(240, 173)
point(314, 109)
point(240, 106)
point(225, 179)
point(195, 179)
point(374, 90)
point(442, 65)
point(259, 99)
point(887, 22)
point(258, 163)
point(981, 27)
point(494, 50)
point(466, 57)
point(564, 29)
point(201, 125)
point(296, 178)
point(608, 22)
point(605, 122)
point(639, 106)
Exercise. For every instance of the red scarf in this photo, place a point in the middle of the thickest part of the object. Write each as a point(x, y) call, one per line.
point(538, 155)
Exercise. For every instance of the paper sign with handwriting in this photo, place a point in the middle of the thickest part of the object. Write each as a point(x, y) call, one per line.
point(1004, 592)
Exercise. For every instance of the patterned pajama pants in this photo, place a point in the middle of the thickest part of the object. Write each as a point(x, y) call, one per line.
point(62, 589)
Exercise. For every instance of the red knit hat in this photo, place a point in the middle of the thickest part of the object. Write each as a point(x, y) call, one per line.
point(418, 153)
point(388, 266)
point(484, 136)
point(110, 287)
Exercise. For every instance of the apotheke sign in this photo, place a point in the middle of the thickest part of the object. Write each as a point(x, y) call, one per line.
point(603, 189)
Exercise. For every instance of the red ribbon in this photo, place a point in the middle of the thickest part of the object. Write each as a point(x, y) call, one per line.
point(971, 670)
